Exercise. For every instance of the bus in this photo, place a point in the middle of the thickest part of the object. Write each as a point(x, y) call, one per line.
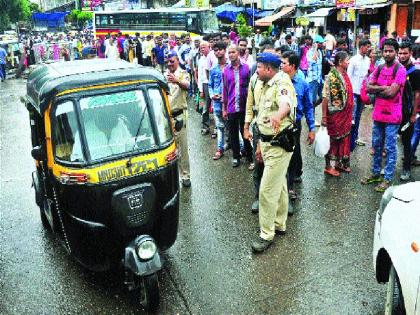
point(195, 21)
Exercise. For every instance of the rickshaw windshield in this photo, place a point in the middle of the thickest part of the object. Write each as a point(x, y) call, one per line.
point(113, 124)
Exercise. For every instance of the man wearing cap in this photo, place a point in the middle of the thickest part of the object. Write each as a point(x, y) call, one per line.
point(179, 83)
point(276, 108)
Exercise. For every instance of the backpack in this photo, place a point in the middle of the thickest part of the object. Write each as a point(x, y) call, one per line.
point(407, 97)
point(367, 98)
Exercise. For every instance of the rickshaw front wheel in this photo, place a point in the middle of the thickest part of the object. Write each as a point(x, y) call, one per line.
point(150, 292)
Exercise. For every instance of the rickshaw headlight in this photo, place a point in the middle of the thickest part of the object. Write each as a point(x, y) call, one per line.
point(146, 249)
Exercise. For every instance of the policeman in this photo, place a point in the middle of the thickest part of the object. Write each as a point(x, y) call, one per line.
point(179, 83)
point(276, 107)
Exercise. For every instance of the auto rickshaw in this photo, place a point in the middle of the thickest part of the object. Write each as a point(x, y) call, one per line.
point(106, 178)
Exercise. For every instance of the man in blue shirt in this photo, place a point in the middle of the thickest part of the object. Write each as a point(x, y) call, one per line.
point(158, 54)
point(290, 65)
point(3, 55)
point(314, 77)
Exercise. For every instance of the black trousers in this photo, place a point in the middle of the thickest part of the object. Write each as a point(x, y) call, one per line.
point(258, 171)
point(236, 125)
point(295, 166)
point(406, 142)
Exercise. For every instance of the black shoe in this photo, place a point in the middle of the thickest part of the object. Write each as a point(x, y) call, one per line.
point(186, 182)
point(236, 162)
point(298, 179)
point(259, 245)
point(292, 194)
point(290, 210)
point(205, 131)
point(255, 206)
point(280, 233)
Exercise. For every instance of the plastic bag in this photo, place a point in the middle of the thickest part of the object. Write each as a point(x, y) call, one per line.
point(322, 142)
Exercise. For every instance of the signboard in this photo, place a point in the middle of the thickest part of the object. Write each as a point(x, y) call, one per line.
point(375, 34)
point(197, 3)
point(345, 4)
point(346, 15)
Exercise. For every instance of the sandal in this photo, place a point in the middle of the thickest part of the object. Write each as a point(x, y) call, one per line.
point(218, 155)
point(205, 131)
point(382, 186)
point(332, 171)
point(342, 168)
point(371, 179)
point(251, 166)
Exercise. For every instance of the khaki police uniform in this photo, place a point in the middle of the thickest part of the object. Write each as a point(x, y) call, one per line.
point(273, 195)
point(178, 104)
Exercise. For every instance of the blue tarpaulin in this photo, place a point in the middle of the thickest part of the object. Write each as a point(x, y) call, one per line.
point(50, 20)
point(230, 12)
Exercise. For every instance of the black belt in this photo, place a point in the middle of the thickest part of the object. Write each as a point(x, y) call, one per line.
point(265, 138)
point(177, 112)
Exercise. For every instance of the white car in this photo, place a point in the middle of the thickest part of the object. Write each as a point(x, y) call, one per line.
point(396, 248)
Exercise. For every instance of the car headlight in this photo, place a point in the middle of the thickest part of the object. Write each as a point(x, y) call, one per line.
point(386, 198)
point(146, 249)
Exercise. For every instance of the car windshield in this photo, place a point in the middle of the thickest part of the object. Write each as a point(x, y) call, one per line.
point(113, 124)
point(209, 22)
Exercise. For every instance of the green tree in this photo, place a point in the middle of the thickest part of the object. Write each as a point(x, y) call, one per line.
point(13, 11)
point(244, 29)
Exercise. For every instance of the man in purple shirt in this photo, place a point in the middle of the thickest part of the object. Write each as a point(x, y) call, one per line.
point(235, 91)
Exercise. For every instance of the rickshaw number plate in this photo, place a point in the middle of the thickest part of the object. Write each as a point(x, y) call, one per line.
point(135, 200)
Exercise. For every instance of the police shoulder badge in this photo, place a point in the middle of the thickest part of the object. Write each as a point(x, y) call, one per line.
point(284, 92)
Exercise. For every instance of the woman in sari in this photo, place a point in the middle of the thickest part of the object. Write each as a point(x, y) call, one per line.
point(337, 109)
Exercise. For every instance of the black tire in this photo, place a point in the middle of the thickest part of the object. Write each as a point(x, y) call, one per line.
point(394, 304)
point(150, 293)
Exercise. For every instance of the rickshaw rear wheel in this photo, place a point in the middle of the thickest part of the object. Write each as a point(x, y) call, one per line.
point(44, 220)
point(150, 292)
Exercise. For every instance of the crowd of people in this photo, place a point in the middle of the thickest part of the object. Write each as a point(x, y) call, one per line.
point(252, 94)
point(258, 105)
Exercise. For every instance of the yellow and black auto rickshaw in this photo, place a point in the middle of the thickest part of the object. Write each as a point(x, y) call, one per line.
point(106, 178)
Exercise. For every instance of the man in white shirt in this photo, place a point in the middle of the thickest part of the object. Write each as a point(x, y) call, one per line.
point(244, 54)
point(330, 43)
point(357, 71)
point(203, 86)
point(257, 40)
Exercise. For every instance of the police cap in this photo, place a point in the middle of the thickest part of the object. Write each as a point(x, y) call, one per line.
point(269, 58)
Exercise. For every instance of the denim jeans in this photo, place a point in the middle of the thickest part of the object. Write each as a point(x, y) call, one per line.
point(315, 91)
point(416, 137)
point(357, 113)
point(220, 127)
point(384, 135)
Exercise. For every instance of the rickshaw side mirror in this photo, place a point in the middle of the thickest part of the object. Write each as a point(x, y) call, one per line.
point(38, 153)
point(179, 123)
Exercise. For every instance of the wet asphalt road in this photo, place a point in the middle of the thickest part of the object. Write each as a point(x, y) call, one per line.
point(322, 266)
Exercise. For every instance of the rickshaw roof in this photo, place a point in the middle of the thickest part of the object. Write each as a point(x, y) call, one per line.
point(50, 79)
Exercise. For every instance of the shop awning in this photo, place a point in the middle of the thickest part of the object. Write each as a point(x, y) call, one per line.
point(323, 12)
point(268, 20)
point(373, 6)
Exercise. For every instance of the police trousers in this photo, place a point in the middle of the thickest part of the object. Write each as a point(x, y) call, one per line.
point(181, 139)
point(274, 198)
